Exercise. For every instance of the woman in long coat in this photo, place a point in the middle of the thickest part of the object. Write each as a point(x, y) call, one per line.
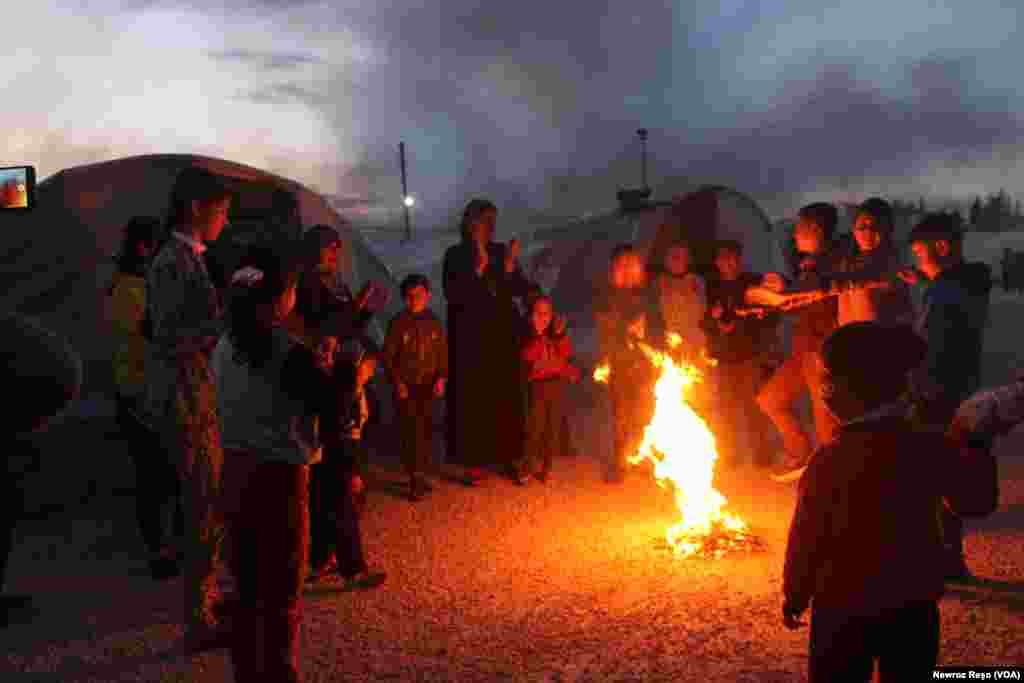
point(482, 280)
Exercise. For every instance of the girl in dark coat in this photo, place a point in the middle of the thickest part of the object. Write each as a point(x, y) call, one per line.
point(482, 281)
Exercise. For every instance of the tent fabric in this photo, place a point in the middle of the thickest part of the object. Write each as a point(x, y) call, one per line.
point(576, 259)
point(57, 258)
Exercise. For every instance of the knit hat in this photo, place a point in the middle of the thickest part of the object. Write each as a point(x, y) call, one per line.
point(38, 368)
point(871, 358)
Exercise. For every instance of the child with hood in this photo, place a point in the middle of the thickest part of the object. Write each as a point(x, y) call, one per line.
point(864, 549)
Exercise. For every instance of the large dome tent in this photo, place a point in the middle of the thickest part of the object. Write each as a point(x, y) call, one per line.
point(57, 258)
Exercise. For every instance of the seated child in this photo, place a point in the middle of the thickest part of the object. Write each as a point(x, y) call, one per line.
point(338, 484)
point(416, 357)
point(631, 385)
point(545, 354)
point(864, 549)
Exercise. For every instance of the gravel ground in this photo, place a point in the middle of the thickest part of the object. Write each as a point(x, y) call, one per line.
point(556, 582)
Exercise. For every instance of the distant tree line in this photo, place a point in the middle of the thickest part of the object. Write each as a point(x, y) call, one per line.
point(997, 212)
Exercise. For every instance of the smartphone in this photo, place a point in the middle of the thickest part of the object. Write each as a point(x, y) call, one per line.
point(17, 188)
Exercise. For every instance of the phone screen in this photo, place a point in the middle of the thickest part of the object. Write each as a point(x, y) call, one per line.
point(17, 187)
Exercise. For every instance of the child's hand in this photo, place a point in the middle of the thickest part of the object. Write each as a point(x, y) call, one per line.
point(357, 485)
point(774, 282)
point(908, 275)
point(326, 352)
point(439, 387)
point(403, 391)
point(559, 325)
point(791, 619)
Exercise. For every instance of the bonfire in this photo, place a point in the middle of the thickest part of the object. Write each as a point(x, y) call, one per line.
point(682, 450)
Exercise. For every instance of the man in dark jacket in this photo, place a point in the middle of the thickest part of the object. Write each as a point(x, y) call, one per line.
point(864, 546)
point(953, 319)
point(46, 375)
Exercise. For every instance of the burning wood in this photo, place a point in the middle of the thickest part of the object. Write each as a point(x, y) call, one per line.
point(681, 447)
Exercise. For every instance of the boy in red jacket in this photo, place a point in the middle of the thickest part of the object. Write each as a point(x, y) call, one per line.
point(864, 546)
point(545, 355)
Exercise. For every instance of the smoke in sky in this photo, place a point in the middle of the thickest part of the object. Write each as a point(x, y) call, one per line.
point(514, 99)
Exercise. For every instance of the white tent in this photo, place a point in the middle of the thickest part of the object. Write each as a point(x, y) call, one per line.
point(57, 258)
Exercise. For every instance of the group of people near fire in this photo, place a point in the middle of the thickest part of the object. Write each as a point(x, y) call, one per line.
point(247, 400)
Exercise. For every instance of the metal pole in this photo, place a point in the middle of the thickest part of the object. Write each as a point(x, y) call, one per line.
point(643, 157)
point(405, 192)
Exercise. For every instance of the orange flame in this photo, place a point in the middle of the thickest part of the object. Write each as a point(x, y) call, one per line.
point(682, 449)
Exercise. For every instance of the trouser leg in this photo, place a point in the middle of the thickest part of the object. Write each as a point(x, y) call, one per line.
point(273, 521)
point(826, 425)
point(777, 399)
point(908, 643)
point(10, 510)
point(840, 651)
point(348, 534)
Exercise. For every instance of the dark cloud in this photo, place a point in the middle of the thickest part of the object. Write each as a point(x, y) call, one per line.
point(267, 61)
point(502, 97)
point(840, 130)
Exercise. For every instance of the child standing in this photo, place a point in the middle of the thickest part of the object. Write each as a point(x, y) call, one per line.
point(683, 298)
point(336, 541)
point(864, 548)
point(416, 358)
point(742, 347)
point(631, 385)
point(545, 354)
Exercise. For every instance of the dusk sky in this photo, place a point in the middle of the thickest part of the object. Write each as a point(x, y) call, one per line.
point(783, 100)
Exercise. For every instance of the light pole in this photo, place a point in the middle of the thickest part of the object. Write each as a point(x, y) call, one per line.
point(407, 200)
point(642, 134)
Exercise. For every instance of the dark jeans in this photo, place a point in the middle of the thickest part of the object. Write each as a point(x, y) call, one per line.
point(737, 417)
point(799, 374)
point(416, 428)
point(844, 646)
point(156, 481)
point(10, 510)
point(267, 509)
point(632, 410)
point(545, 412)
point(334, 511)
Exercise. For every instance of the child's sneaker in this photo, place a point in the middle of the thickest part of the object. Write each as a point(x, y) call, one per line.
point(790, 469)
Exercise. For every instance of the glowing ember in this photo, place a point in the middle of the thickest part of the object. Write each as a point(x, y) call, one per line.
point(682, 449)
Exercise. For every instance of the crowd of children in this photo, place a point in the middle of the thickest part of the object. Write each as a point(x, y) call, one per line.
point(256, 395)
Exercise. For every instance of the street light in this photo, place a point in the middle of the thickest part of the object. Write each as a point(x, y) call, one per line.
point(407, 200)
